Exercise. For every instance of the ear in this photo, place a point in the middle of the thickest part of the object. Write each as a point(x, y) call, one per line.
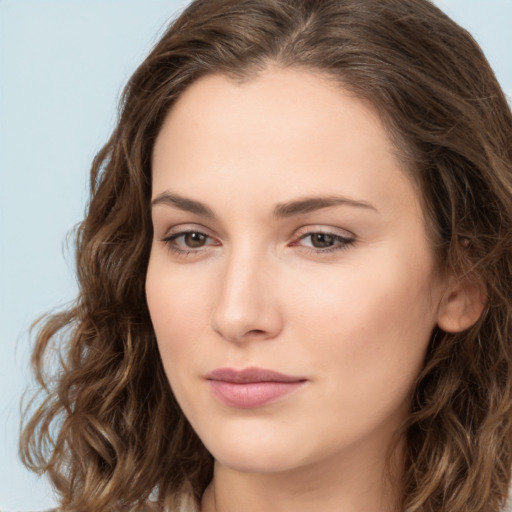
point(462, 304)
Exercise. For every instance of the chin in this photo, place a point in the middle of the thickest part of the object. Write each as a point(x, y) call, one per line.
point(286, 456)
point(254, 450)
point(263, 460)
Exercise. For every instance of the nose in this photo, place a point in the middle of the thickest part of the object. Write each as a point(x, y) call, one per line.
point(247, 306)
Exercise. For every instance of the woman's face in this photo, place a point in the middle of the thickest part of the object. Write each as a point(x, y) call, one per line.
point(287, 239)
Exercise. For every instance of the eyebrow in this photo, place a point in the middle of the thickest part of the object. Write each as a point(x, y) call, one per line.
point(310, 204)
point(283, 210)
point(182, 203)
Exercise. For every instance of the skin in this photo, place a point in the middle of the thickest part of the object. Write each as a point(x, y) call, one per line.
point(353, 317)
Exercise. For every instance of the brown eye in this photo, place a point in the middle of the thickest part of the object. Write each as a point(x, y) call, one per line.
point(193, 239)
point(322, 240)
point(187, 242)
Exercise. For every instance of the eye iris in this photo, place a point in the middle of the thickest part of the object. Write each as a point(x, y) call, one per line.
point(322, 240)
point(194, 239)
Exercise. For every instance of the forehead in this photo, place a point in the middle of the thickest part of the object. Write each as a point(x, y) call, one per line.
point(284, 133)
point(292, 102)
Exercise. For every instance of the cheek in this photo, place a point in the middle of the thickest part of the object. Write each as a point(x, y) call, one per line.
point(178, 305)
point(368, 299)
point(370, 325)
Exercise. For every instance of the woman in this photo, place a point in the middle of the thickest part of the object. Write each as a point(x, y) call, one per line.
point(294, 273)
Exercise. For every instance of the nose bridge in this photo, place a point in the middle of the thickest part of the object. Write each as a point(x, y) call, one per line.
point(246, 302)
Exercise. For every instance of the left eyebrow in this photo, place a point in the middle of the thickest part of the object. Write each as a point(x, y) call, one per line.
point(311, 204)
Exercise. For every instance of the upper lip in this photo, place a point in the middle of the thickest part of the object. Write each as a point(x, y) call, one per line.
point(251, 374)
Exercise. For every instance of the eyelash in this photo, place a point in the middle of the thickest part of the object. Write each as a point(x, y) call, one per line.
point(169, 242)
point(341, 242)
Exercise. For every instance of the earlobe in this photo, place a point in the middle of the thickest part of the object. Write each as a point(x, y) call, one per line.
point(462, 305)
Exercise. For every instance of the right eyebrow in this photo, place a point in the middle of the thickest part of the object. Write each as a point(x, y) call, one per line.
point(182, 203)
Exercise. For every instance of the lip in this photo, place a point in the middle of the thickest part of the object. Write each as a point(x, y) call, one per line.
point(251, 387)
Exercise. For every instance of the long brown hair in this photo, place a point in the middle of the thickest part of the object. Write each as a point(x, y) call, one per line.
point(108, 431)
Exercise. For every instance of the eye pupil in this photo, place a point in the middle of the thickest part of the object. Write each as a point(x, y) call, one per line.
point(194, 239)
point(321, 240)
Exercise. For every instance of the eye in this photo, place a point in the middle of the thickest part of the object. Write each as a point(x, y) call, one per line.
point(322, 242)
point(190, 241)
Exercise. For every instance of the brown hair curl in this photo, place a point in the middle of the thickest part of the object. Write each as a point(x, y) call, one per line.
point(109, 417)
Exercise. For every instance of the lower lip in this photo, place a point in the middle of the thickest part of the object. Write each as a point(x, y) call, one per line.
point(248, 395)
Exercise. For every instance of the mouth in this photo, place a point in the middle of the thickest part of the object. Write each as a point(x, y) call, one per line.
point(251, 387)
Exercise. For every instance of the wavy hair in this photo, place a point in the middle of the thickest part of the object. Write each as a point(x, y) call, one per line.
point(108, 416)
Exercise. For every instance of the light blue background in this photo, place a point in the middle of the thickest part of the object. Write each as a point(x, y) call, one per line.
point(63, 64)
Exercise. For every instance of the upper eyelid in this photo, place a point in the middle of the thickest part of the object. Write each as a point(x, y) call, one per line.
point(340, 238)
point(308, 230)
point(171, 237)
point(188, 228)
point(297, 233)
